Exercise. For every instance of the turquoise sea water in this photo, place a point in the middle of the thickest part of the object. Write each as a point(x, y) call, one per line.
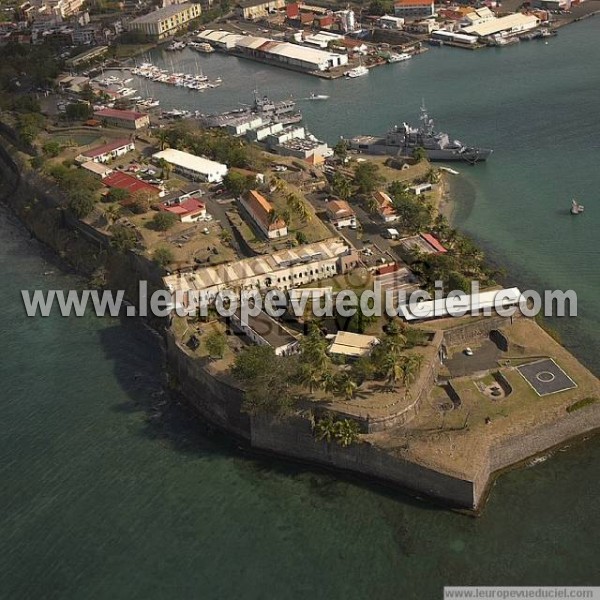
point(110, 489)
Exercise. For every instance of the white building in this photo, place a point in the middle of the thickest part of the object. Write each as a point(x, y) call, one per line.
point(107, 152)
point(286, 269)
point(478, 17)
point(192, 166)
point(340, 214)
point(265, 331)
point(96, 169)
point(414, 9)
point(352, 345)
point(389, 22)
point(503, 26)
point(461, 305)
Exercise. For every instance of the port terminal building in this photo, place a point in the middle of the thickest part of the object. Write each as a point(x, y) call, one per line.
point(285, 54)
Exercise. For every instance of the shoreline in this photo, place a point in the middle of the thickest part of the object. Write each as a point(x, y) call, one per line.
point(219, 402)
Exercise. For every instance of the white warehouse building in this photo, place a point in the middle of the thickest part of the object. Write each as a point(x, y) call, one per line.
point(503, 26)
point(193, 166)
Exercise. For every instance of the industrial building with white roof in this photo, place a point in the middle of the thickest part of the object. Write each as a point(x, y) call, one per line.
point(193, 166)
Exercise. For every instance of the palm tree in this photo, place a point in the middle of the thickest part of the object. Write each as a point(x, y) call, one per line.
point(325, 428)
point(112, 212)
point(163, 139)
point(411, 365)
point(392, 369)
point(433, 176)
point(165, 167)
point(303, 212)
point(372, 205)
point(328, 382)
point(293, 202)
point(346, 432)
point(309, 376)
point(347, 386)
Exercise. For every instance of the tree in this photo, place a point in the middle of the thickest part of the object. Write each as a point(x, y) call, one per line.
point(123, 238)
point(79, 111)
point(411, 365)
point(237, 184)
point(29, 125)
point(116, 195)
point(301, 237)
point(165, 167)
point(325, 428)
point(346, 432)
point(340, 186)
point(163, 221)
point(252, 362)
point(81, 202)
point(309, 376)
point(51, 148)
point(162, 137)
point(346, 385)
point(372, 205)
point(113, 212)
point(433, 176)
point(419, 154)
point(367, 177)
point(215, 343)
point(163, 256)
point(328, 382)
point(341, 150)
point(139, 202)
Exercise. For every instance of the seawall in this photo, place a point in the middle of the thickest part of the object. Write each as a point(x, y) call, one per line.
point(217, 398)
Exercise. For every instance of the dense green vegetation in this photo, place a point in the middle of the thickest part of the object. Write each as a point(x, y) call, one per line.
point(275, 391)
point(214, 144)
point(80, 188)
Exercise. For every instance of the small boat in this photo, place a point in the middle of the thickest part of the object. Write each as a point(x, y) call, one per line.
point(357, 72)
point(204, 47)
point(576, 208)
point(314, 96)
point(394, 58)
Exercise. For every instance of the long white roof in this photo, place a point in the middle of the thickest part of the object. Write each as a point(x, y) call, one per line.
point(234, 273)
point(509, 22)
point(445, 307)
point(190, 161)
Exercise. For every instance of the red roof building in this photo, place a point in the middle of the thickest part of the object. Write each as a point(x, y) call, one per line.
point(385, 206)
point(292, 10)
point(434, 243)
point(108, 151)
point(129, 119)
point(188, 210)
point(260, 209)
point(124, 181)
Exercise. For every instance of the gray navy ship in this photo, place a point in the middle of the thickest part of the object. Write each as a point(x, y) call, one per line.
point(281, 111)
point(404, 140)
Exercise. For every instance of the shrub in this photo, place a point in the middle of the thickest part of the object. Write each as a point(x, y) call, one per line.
point(581, 404)
point(163, 221)
point(163, 256)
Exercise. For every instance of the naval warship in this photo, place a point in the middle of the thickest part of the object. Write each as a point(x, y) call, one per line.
point(404, 140)
point(281, 111)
